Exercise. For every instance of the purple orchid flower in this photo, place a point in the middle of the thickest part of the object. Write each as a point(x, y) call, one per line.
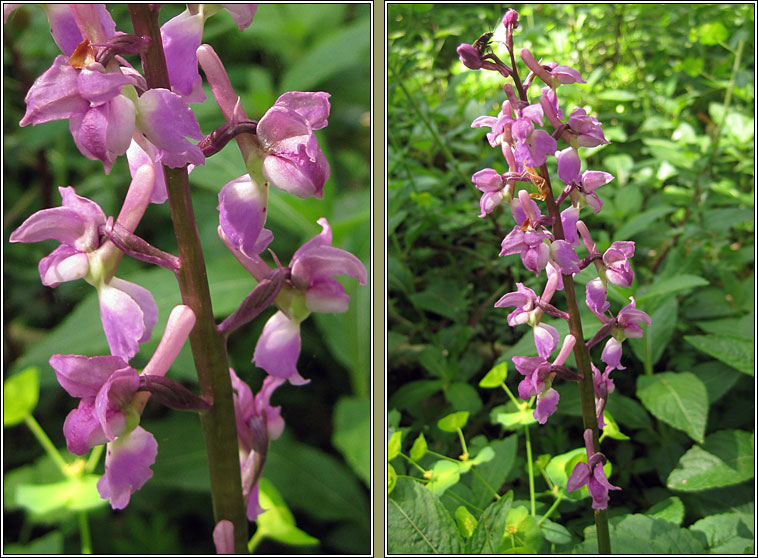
point(110, 407)
point(603, 386)
point(592, 475)
point(493, 187)
point(538, 378)
point(257, 423)
point(628, 320)
point(587, 129)
point(596, 294)
point(313, 267)
point(616, 259)
point(551, 73)
point(546, 337)
point(532, 145)
point(500, 126)
point(293, 159)
point(128, 311)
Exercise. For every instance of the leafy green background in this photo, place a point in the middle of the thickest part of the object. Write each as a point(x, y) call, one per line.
point(320, 465)
point(673, 86)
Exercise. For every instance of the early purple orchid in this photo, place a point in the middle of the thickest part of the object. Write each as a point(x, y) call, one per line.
point(539, 375)
point(627, 325)
point(100, 101)
point(257, 423)
point(128, 311)
point(110, 408)
point(293, 160)
point(591, 474)
point(313, 267)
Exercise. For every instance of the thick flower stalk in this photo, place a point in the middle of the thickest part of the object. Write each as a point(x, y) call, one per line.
point(549, 241)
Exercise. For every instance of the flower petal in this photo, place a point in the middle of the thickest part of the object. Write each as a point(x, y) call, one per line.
point(278, 348)
point(127, 466)
point(83, 376)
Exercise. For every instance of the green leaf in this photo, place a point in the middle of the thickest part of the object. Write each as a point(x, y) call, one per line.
point(277, 522)
point(640, 534)
point(495, 376)
point(555, 532)
point(394, 445)
point(712, 33)
point(611, 428)
point(727, 533)
point(465, 520)
point(314, 481)
point(726, 458)
point(418, 523)
point(484, 455)
point(452, 422)
point(677, 398)
point(50, 543)
point(20, 395)
point(444, 475)
point(642, 222)
point(352, 432)
point(419, 447)
point(442, 296)
point(516, 419)
point(76, 494)
point(671, 509)
point(463, 397)
point(496, 471)
point(409, 395)
point(490, 528)
point(650, 347)
point(737, 352)
point(669, 286)
point(523, 532)
point(336, 53)
point(391, 478)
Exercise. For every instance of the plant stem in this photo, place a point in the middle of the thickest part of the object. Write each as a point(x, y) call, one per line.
point(582, 356)
point(46, 444)
point(208, 349)
point(85, 533)
point(530, 468)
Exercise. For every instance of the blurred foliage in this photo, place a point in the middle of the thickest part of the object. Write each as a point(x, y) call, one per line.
point(673, 86)
point(323, 457)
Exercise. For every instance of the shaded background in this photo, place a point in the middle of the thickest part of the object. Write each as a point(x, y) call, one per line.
point(321, 464)
point(673, 86)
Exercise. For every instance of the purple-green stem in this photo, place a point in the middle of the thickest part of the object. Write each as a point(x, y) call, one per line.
point(208, 348)
point(582, 356)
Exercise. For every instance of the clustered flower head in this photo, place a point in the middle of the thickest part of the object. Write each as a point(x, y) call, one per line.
point(538, 240)
point(112, 112)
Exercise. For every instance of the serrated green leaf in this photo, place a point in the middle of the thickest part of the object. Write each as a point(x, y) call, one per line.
point(726, 458)
point(419, 447)
point(737, 352)
point(394, 445)
point(453, 421)
point(418, 523)
point(495, 377)
point(20, 395)
point(677, 398)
